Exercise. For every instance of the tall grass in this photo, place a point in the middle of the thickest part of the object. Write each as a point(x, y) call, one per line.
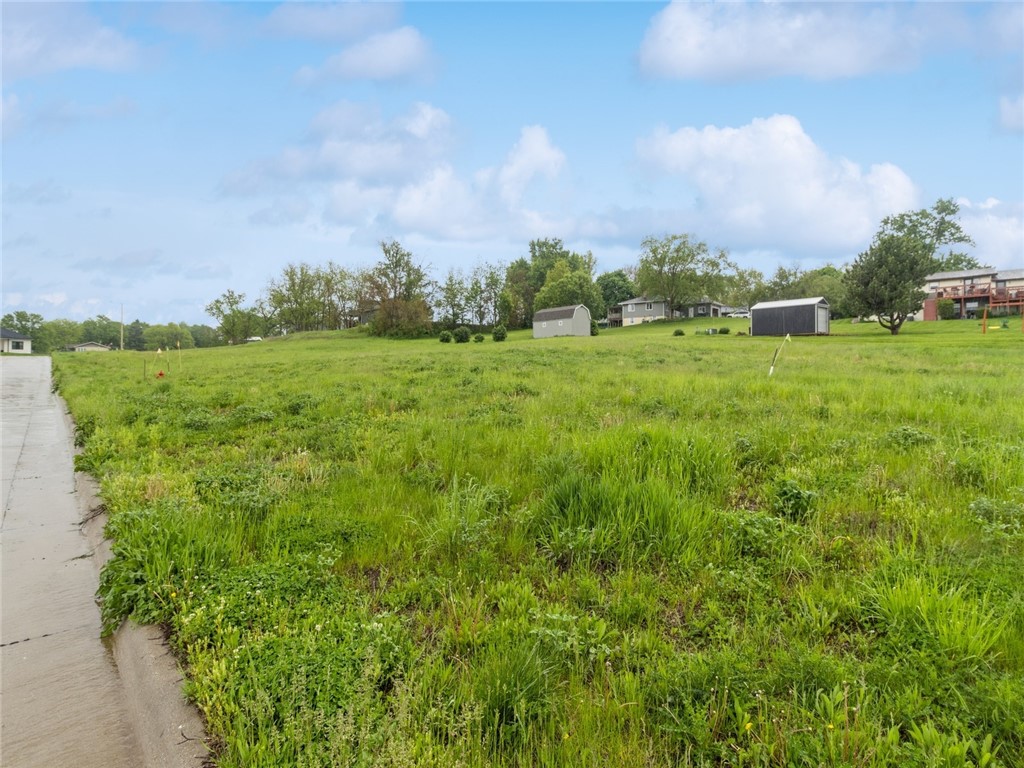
point(632, 549)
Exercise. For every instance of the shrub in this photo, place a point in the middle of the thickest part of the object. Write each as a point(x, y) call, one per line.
point(593, 328)
point(478, 338)
point(678, 332)
point(461, 335)
point(723, 330)
point(445, 337)
point(499, 333)
point(792, 501)
point(946, 309)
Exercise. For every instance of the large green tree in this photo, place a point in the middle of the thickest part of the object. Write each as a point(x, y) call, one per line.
point(237, 322)
point(400, 290)
point(566, 286)
point(615, 287)
point(679, 269)
point(885, 281)
point(938, 230)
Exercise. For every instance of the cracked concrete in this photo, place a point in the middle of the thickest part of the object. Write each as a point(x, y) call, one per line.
point(66, 696)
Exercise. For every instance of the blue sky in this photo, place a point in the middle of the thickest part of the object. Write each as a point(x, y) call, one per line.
point(156, 155)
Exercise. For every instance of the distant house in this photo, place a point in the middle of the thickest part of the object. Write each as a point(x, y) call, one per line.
point(14, 343)
point(973, 290)
point(800, 317)
point(706, 308)
point(89, 346)
point(561, 321)
point(638, 310)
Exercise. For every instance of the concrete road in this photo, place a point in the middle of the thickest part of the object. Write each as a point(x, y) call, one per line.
point(62, 701)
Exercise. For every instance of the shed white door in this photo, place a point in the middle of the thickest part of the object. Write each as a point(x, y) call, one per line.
point(822, 324)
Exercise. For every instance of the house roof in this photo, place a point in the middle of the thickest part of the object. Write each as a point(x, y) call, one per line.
point(961, 273)
point(1010, 274)
point(789, 303)
point(88, 344)
point(639, 300)
point(556, 313)
point(7, 333)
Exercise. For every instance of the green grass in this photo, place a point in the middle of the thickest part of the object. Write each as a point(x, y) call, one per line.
point(634, 549)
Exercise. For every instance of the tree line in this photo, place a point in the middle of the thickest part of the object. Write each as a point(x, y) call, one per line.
point(57, 335)
point(397, 296)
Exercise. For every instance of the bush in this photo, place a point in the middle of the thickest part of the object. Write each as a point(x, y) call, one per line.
point(946, 309)
point(478, 338)
point(499, 333)
point(445, 337)
point(461, 335)
point(678, 332)
point(593, 328)
point(723, 330)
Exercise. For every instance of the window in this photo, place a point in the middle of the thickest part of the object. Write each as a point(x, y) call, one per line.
point(702, 310)
point(544, 325)
point(650, 305)
point(559, 323)
point(18, 345)
point(630, 307)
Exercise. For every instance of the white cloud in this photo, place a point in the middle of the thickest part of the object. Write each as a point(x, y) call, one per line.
point(443, 205)
point(997, 229)
point(1011, 113)
point(768, 182)
point(351, 203)
point(332, 22)
point(532, 155)
point(353, 141)
point(725, 41)
point(398, 54)
point(54, 299)
point(39, 38)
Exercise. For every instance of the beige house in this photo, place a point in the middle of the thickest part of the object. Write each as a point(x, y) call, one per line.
point(972, 291)
point(89, 346)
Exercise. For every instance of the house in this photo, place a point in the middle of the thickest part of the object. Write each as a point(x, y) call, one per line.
point(800, 317)
point(706, 308)
point(638, 310)
point(89, 346)
point(561, 321)
point(14, 343)
point(974, 290)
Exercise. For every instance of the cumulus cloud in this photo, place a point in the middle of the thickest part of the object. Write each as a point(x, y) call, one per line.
point(533, 155)
point(997, 229)
point(398, 54)
point(727, 41)
point(1011, 113)
point(768, 182)
point(39, 38)
point(331, 22)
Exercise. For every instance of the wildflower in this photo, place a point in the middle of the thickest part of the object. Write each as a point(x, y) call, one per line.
point(173, 595)
point(831, 727)
point(749, 726)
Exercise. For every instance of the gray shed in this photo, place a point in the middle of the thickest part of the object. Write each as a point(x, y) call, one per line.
point(800, 317)
point(561, 321)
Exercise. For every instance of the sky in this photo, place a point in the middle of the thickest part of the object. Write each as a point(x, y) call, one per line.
point(156, 155)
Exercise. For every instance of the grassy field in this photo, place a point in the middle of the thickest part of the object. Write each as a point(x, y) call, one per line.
point(634, 549)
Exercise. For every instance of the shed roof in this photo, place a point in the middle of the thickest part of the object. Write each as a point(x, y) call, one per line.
point(789, 303)
point(556, 313)
point(95, 344)
point(7, 333)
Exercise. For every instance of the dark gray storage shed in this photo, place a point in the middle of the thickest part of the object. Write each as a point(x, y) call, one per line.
point(800, 317)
